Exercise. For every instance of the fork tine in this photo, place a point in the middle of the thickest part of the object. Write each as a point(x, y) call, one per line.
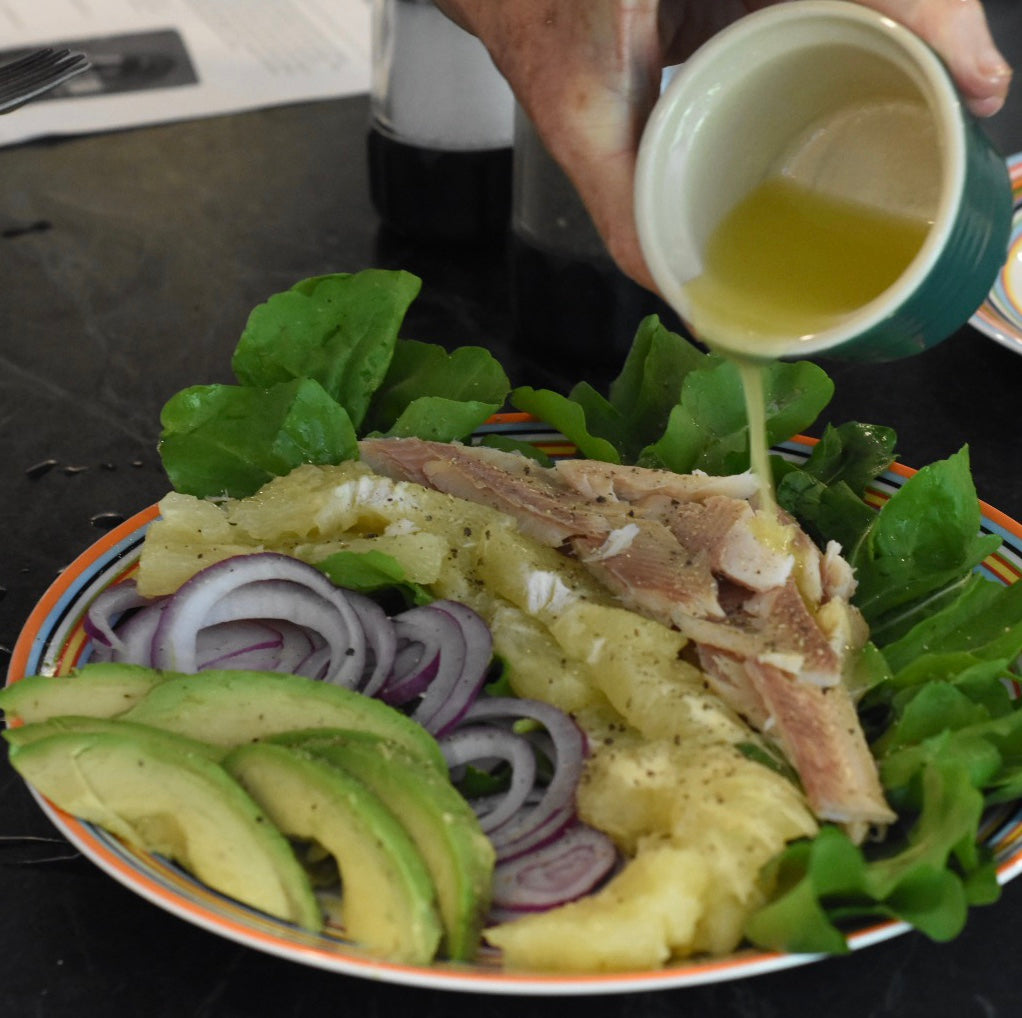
point(39, 73)
point(27, 63)
point(36, 71)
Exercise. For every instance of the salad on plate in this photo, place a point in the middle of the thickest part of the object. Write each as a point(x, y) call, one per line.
point(452, 694)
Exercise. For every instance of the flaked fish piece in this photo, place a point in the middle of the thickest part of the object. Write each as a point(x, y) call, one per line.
point(638, 559)
point(815, 724)
point(775, 627)
point(654, 575)
point(769, 618)
point(727, 531)
point(545, 510)
point(707, 514)
point(819, 731)
point(837, 576)
point(594, 479)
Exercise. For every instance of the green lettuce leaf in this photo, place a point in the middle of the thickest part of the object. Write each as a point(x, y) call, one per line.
point(230, 440)
point(826, 492)
point(338, 329)
point(925, 539)
point(929, 880)
point(674, 407)
point(372, 572)
point(430, 393)
point(568, 417)
point(709, 430)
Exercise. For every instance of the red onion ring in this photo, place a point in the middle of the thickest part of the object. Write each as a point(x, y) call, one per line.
point(479, 743)
point(573, 865)
point(108, 606)
point(381, 642)
point(461, 672)
point(556, 807)
point(264, 585)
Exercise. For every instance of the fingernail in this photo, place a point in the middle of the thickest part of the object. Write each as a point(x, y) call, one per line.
point(987, 106)
point(995, 75)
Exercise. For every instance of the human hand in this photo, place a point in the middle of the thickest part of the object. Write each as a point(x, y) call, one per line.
point(587, 73)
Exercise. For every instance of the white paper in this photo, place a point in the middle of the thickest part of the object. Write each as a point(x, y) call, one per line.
point(162, 60)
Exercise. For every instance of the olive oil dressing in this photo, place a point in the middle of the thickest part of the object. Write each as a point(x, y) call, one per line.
point(784, 264)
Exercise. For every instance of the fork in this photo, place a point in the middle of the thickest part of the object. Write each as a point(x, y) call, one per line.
point(38, 72)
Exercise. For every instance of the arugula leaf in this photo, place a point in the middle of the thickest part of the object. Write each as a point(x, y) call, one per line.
point(338, 329)
point(925, 539)
point(230, 440)
point(675, 407)
point(709, 430)
point(825, 493)
point(440, 420)
point(648, 387)
point(418, 371)
point(568, 417)
point(929, 881)
point(985, 620)
point(313, 362)
point(430, 393)
point(371, 572)
point(852, 454)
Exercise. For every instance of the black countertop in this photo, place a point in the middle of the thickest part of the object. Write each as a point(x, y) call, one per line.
point(130, 262)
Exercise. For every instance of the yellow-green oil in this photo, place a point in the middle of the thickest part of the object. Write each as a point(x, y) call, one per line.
point(784, 264)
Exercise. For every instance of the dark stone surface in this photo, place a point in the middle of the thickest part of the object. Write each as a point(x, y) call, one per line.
point(129, 264)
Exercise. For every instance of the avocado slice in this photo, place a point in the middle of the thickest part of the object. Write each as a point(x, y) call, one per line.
point(228, 708)
point(174, 802)
point(24, 734)
point(97, 690)
point(388, 903)
point(446, 831)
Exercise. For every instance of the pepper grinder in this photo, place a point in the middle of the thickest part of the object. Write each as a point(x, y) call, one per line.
point(571, 304)
point(440, 132)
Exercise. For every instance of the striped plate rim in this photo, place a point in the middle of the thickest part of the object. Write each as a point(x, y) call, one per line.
point(53, 641)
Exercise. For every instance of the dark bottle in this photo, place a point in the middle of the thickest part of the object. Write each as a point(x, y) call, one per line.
point(571, 303)
point(439, 142)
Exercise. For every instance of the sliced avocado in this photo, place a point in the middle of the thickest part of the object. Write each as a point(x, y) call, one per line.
point(388, 903)
point(441, 823)
point(178, 804)
point(24, 734)
point(228, 708)
point(95, 690)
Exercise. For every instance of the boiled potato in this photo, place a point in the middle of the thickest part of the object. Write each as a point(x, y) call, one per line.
point(636, 663)
point(645, 915)
point(540, 581)
point(704, 797)
point(541, 670)
point(190, 535)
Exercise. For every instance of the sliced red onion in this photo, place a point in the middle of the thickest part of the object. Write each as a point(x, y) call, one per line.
point(262, 646)
point(556, 808)
point(264, 585)
point(134, 636)
point(423, 635)
point(381, 642)
point(483, 745)
point(573, 865)
point(245, 644)
point(269, 599)
point(107, 607)
point(461, 671)
point(414, 668)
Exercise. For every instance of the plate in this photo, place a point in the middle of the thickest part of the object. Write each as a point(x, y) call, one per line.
point(1000, 315)
point(54, 641)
